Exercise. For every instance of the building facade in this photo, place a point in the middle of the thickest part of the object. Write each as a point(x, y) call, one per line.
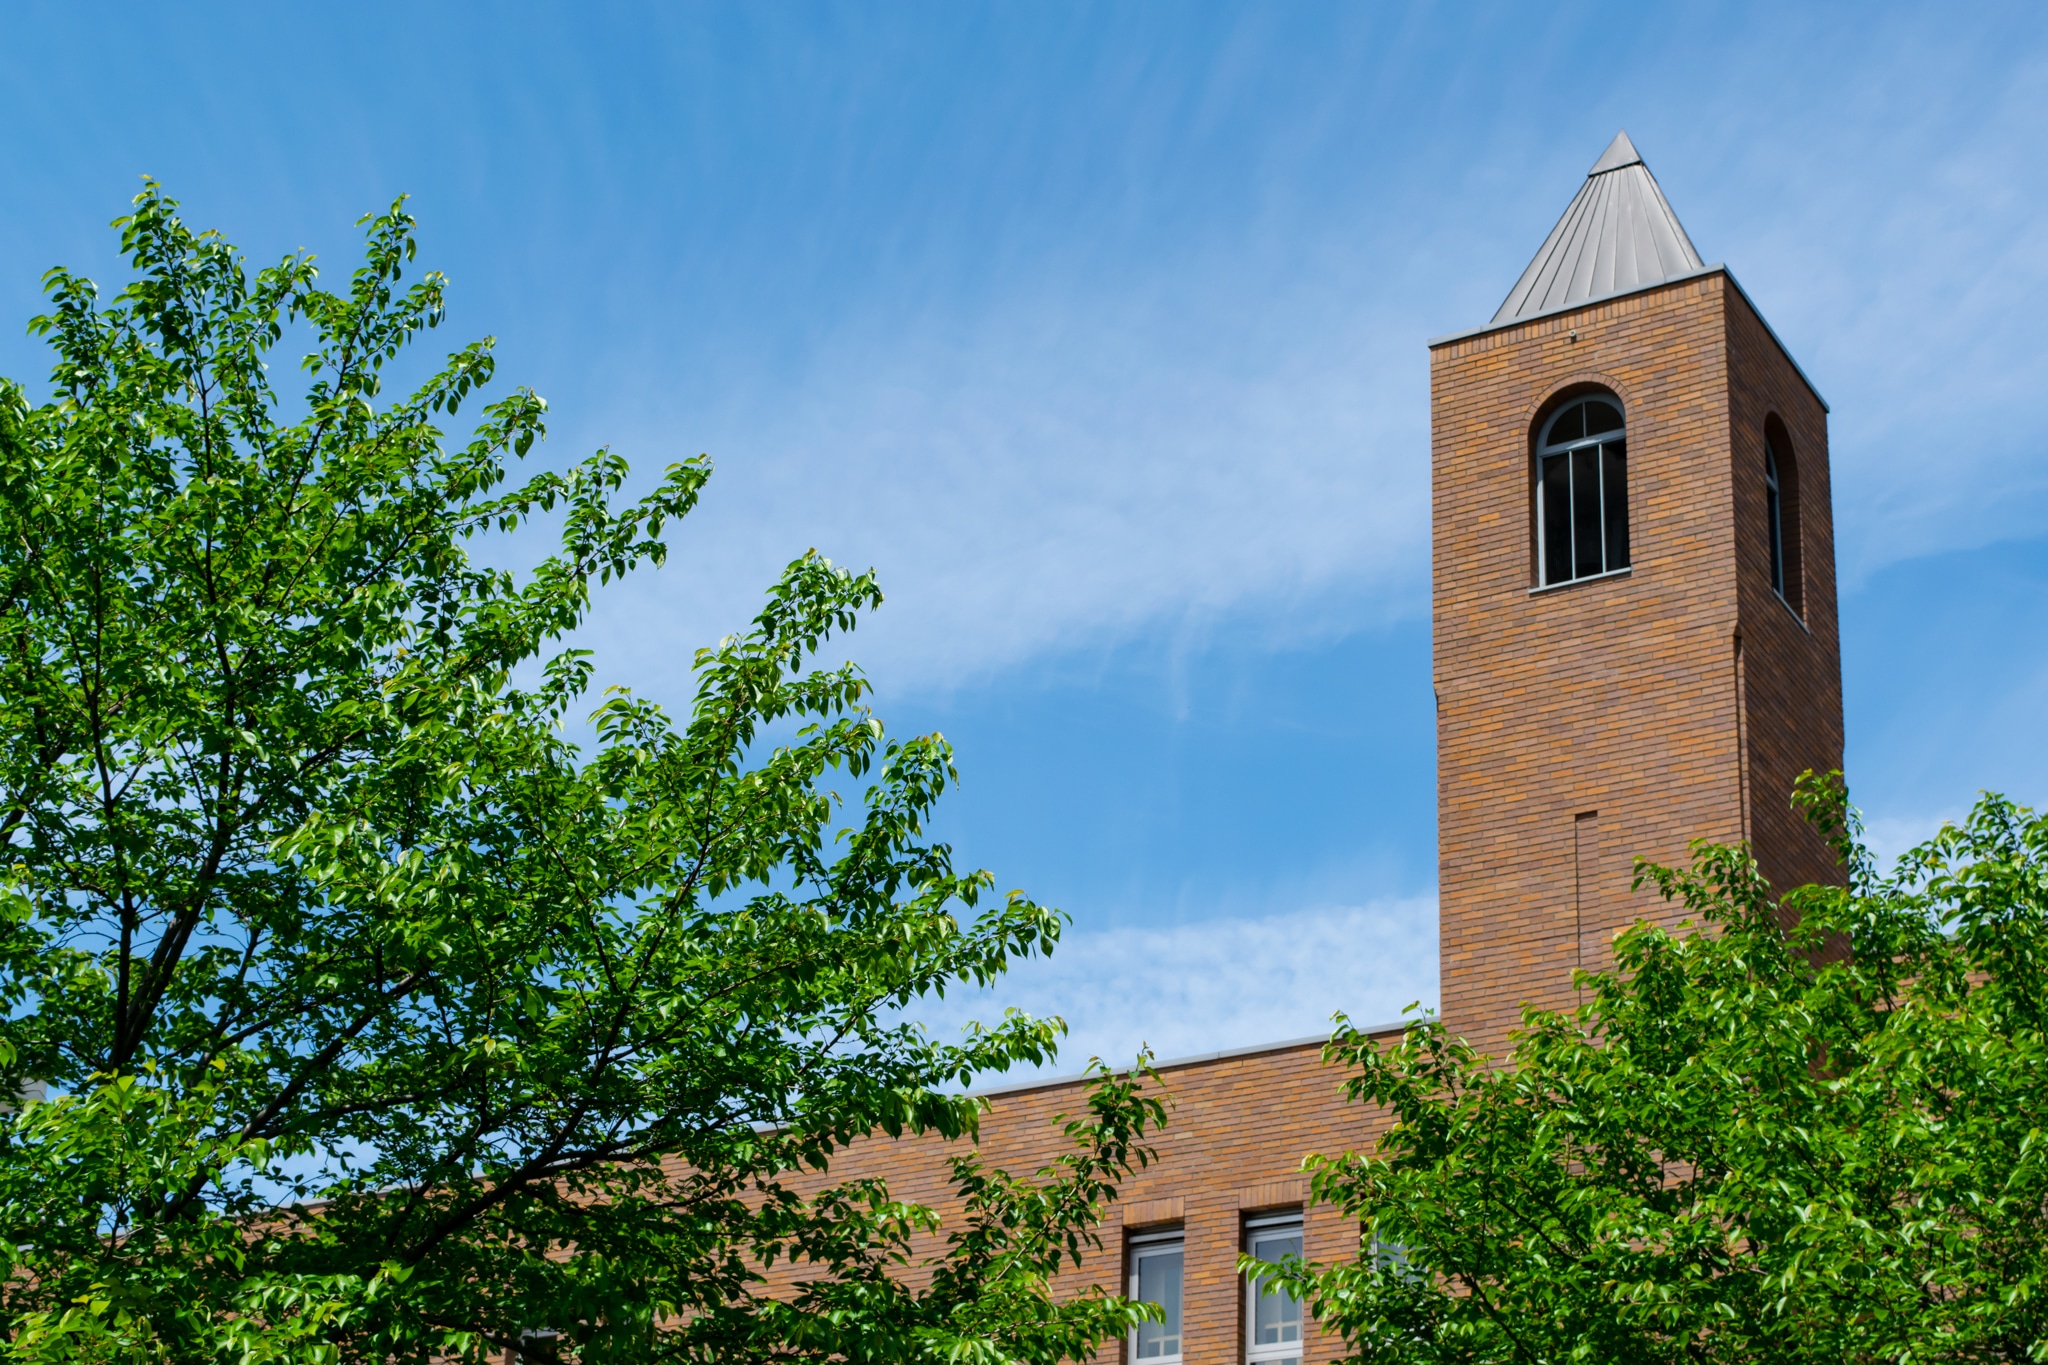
point(1634, 647)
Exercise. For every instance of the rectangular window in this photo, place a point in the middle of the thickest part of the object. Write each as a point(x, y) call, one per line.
point(1272, 1316)
point(1389, 1258)
point(1156, 1278)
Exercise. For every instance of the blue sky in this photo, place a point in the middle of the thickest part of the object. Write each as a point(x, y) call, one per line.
point(1098, 330)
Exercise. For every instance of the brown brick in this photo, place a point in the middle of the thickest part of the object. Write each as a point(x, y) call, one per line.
point(1241, 1125)
point(1678, 702)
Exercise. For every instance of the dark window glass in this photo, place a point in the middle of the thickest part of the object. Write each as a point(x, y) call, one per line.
point(1601, 417)
point(1553, 497)
point(1777, 548)
point(1570, 425)
point(1777, 528)
point(1614, 492)
point(1586, 511)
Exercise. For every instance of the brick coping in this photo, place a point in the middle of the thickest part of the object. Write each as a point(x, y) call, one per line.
point(1197, 1059)
point(1702, 273)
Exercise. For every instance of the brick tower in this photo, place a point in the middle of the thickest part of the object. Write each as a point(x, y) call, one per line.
point(1634, 597)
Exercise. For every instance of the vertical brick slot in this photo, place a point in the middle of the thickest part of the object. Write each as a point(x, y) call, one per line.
point(1586, 878)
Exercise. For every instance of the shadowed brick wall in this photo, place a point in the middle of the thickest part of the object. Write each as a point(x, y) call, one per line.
point(1792, 654)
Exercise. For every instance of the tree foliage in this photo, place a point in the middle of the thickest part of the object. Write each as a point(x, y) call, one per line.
point(383, 1022)
point(1745, 1145)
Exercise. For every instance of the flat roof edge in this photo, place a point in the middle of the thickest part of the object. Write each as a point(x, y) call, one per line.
point(1717, 268)
point(1783, 349)
point(1318, 1039)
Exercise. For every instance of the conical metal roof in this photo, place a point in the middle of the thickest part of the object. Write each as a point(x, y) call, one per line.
point(1619, 234)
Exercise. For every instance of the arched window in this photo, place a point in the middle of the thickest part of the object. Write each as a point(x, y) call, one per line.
point(1582, 491)
point(1781, 511)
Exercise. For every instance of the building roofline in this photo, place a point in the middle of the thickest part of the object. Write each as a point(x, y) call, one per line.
point(1618, 232)
point(1049, 1082)
point(1501, 326)
point(1715, 269)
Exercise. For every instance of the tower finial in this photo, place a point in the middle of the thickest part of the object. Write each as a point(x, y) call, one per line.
point(1620, 152)
point(1618, 234)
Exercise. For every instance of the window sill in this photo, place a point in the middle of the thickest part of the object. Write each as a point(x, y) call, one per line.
point(1589, 578)
point(1794, 610)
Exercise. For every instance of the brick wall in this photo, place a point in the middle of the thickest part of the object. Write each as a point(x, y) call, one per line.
point(1581, 726)
point(1791, 647)
point(1240, 1126)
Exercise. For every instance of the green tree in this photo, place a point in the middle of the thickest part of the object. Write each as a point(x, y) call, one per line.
point(381, 1021)
point(1745, 1145)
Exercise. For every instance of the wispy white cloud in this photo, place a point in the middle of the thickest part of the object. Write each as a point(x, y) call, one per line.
point(1887, 219)
point(1205, 986)
point(1061, 471)
point(1235, 420)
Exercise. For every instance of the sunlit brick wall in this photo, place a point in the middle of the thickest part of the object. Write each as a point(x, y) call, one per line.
point(1582, 726)
point(1240, 1126)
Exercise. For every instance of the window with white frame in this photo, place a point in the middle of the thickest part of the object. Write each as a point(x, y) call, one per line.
point(1272, 1316)
point(1582, 492)
point(1388, 1258)
point(1156, 1262)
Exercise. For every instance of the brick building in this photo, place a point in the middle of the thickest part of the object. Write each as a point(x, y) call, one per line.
point(1634, 647)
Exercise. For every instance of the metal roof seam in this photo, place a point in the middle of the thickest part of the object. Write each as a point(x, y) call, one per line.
point(1618, 233)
